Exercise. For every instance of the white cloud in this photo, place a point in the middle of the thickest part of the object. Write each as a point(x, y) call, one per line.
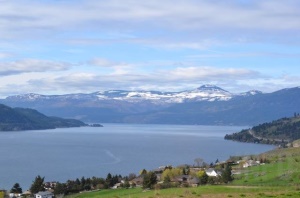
point(102, 62)
point(203, 17)
point(160, 80)
point(4, 55)
point(31, 65)
point(137, 31)
point(180, 78)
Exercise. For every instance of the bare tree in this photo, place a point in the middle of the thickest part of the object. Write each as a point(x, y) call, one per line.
point(199, 162)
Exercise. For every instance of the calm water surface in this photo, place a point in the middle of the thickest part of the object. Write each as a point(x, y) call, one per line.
point(62, 154)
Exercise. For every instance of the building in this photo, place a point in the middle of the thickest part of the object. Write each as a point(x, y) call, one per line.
point(212, 172)
point(186, 180)
point(45, 194)
point(250, 163)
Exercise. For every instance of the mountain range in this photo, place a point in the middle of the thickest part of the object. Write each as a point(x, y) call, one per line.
point(207, 104)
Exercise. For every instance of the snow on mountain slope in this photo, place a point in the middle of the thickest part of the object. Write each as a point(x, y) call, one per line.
point(203, 93)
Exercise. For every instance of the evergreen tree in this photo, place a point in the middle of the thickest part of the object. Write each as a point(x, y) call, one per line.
point(60, 189)
point(150, 180)
point(109, 180)
point(227, 175)
point(37, 185)
point(126, 183)
point(16, 189)
point(143, 172)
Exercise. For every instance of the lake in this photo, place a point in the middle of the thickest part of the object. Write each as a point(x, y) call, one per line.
point(70, 153)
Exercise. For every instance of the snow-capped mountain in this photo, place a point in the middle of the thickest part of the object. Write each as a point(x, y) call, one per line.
point(203, 93)
point(207, 104)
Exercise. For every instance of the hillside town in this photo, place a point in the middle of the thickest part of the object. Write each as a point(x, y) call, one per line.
point(200, 173)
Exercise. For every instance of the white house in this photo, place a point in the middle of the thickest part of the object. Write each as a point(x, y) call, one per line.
point(45, 194)
point(11, 195)
point(211, 172)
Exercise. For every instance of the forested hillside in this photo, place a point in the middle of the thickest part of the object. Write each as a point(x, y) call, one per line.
point(280, 131)
point(15, 119)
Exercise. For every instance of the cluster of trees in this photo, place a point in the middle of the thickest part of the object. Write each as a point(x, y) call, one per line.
point(285, 128)
point(243, 136)
point(77, 185)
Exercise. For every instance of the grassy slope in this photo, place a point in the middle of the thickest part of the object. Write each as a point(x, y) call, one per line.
point(284, 170)
point(280, 178)
point(202, 191)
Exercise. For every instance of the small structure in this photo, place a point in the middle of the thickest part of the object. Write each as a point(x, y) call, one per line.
point(117, 185)
point(45, 194)
point(250, 163)
point(14, 195)
point(138, 181)
point(212, 172)
point(49, 186)
point(186, 180)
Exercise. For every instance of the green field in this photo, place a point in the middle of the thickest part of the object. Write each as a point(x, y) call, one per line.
point(283, 170)
point(202, 191)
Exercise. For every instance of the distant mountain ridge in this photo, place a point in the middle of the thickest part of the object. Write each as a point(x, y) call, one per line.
point(16, 119)
point(203, 93)
point(207, 104)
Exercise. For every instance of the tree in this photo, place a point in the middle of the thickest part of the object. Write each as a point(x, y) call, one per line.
point(203, 177)
point(59, 189)
point(171, 173)
point(126, 183)
point(37, 185)
point(167, 179)
point(199, 162)
point(16, 189)
point(143, 172)
point(150, 180)
point(217, 161)
point(226, 174)
point(109, 180)
point(131, 176)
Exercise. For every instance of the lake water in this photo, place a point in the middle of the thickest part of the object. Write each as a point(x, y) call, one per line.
point(62, 154)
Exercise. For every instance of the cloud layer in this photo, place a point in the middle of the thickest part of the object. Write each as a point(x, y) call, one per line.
point(89, 45)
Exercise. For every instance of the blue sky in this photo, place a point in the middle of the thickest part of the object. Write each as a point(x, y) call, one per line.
point(71, 46)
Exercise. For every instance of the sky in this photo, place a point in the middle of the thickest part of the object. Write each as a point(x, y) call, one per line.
point(83, 46)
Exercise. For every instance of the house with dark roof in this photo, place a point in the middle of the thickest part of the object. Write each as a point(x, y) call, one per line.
point(138, 181)
point(186, 179)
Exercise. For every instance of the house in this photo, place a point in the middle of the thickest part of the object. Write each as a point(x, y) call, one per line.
point(212, 172)
point(186, 180)
point(194, 182)
point(50, 185)
point(117, 185)
point(138, 181)
point(45, 194)
point(13, 195)
point(250, 163)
